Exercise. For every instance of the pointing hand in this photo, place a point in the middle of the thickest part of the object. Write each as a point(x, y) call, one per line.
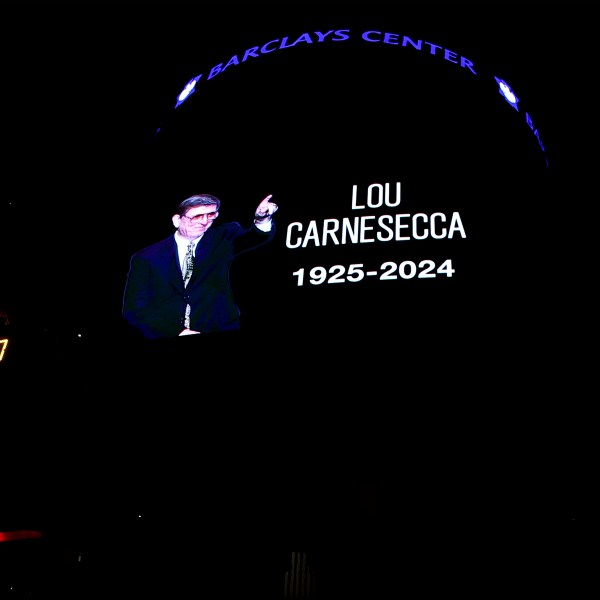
point(265, 209)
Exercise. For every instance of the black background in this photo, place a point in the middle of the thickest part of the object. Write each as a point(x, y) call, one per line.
point(461, 407)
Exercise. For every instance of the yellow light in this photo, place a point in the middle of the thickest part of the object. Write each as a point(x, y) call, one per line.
point(3, 346)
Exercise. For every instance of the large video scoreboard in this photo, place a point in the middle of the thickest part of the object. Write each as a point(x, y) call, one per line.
point(410, 174)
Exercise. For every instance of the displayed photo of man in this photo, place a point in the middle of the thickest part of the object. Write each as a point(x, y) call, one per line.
point(181, 285)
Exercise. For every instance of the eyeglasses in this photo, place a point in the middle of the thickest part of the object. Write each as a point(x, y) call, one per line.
point(209, 216)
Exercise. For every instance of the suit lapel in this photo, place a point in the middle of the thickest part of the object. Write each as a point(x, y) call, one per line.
point(172, 258)
point(203, 250)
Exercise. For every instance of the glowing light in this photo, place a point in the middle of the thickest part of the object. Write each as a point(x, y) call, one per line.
point(21, 534)
point(507, 93)
point(188, 90)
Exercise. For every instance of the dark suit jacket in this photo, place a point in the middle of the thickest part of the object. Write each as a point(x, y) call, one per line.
point(155, 298)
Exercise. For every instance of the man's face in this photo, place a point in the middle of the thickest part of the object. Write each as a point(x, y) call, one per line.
point(196, 221)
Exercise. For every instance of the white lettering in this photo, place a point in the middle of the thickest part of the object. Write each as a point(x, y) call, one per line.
point(370, 228)
point(383, 196)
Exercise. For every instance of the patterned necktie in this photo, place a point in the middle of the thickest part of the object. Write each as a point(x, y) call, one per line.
point(188, 264)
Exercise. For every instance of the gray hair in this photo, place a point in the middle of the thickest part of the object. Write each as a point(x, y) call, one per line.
point(198, 200)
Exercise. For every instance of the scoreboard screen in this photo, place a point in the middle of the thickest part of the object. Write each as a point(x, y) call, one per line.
point(410, 176)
